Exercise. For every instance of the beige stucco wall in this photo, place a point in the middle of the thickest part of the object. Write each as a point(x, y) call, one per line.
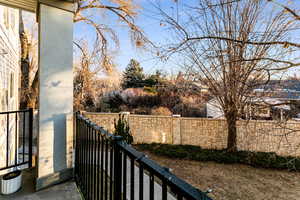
point(56, 90)
point(265, 136)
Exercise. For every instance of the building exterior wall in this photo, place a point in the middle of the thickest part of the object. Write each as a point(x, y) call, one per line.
point(10, 62)
point(253, 135)
point(9, 75)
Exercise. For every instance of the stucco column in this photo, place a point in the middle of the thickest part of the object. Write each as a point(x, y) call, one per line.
point(55, 138)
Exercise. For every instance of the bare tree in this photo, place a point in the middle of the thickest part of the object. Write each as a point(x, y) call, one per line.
point(89, 12)
point(233, 46)
point(29, 64)
point(91, 79)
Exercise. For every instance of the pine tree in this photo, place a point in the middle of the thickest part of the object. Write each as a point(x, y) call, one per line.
point(133, 76)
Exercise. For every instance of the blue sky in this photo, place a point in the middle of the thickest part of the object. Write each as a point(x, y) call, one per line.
point(150, 24)
point(149, 21)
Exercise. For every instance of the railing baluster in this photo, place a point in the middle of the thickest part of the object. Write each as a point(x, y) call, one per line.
point(24, 136)
point(106, 169)
point(77, 166)
point(111, 173)
point(80, 165)
point(16, 139)
point(98, 164)
point(83, 158)
point(124, 176)
point(78, 150)
point(93, 164)
point(141, 182)
point(102, 165)
point(151, 186)
point(132, 177)
point(7, 139)
point(86, 159)
point(164, 190)
point(82, 152)
point(90, 161)
point(179, 197)
point(30, 136)
point(117, 167)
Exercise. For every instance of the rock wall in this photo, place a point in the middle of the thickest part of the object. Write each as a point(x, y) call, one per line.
point(254, 135)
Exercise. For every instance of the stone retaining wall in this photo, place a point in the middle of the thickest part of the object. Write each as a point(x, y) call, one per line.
point(254, 135)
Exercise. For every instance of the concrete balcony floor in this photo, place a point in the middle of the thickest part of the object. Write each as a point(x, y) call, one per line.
point(64, 191)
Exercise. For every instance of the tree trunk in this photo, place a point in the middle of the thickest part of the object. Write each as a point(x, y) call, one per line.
point(33, 100)
point(24, 84)
point(232, 133)
point(29, 91)
point(24, 65)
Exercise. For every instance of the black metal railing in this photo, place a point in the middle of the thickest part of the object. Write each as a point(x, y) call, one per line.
point(106, 168)
point(16, 129)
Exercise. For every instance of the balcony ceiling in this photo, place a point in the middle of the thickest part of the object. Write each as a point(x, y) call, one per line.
point(29, 5)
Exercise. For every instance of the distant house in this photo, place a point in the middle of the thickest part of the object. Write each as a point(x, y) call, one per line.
point(214, 109)
point(271, 100)
point(276, 85)
point(264, 104)
point(9, 74)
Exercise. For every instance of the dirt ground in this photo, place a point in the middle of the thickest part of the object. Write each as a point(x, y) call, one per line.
point(235, 182)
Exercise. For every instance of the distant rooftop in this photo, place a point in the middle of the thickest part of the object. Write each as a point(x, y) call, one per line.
point(287, 85)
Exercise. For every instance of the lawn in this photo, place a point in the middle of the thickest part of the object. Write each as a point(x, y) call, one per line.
point(234, 181)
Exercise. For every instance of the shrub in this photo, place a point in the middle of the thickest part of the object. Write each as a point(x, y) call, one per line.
point(122, 129)
point(255, 159)
point(161, 111)
point(151, 90)
point(114, 99)
point(141, 111)
point(187, 110)
point(102, 106)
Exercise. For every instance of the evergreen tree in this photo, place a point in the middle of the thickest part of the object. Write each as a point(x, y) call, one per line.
point(133, 76)
point(122, 129)
point(154, 79)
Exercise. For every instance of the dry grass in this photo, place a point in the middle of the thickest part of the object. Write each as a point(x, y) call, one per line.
point(235, 182)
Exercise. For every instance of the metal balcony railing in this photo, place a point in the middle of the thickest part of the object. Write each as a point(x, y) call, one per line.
point(16, 129)
point(106, 168)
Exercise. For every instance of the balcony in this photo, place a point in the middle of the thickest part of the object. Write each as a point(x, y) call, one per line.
point(106, 167)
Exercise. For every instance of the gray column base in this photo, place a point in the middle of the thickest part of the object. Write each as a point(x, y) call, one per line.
point(53, 179)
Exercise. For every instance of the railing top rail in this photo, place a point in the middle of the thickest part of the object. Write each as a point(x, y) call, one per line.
point(16, 111)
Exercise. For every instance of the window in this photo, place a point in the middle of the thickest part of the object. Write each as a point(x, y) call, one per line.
point(11, 85)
